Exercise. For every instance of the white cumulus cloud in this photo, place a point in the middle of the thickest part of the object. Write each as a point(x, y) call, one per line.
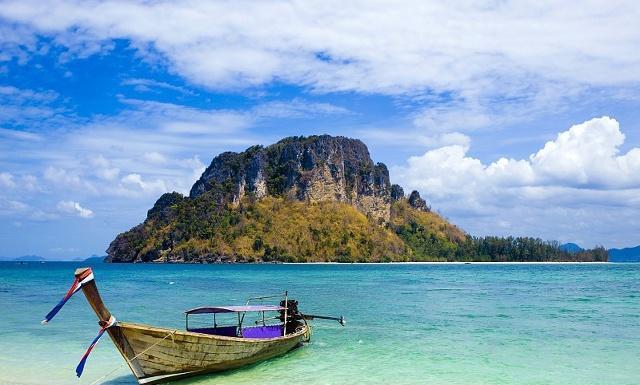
point(156, 186)
point(74, 208)
point(6, 180)
point(67, 178)
point(581, 170)
point(103, 169)
point(154, 157)
point(586, 155)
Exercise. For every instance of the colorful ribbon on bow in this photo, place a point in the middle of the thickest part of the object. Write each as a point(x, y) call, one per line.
point(80, 280)
point(107, 325)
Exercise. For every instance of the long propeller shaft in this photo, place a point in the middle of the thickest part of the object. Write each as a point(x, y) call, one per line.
point(340, 319)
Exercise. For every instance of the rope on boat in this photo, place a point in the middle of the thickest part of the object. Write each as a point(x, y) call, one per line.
point(127, 361)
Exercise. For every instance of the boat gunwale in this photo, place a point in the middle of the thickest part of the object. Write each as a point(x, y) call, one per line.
point(134, 325)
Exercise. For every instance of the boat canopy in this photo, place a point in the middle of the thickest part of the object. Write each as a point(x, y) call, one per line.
point(233, 309)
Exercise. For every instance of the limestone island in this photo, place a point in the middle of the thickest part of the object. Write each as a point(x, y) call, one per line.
point(311, 199)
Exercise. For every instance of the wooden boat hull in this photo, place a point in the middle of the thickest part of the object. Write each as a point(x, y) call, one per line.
point(158, 355)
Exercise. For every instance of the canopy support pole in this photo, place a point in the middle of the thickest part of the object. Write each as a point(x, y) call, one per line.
point(286, 304)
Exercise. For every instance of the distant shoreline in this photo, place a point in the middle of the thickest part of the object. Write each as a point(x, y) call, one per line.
point(449, 263)
point(333, 263)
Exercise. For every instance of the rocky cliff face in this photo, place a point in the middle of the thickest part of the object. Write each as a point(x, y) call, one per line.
point(314, 169)
point(417, 202)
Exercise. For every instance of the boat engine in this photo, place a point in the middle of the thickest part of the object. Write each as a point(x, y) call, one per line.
point(294, 317)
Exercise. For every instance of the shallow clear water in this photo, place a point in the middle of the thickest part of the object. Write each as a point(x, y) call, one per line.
point(407, 324)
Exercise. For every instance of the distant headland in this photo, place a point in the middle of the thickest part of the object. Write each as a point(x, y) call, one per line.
point(311, 199)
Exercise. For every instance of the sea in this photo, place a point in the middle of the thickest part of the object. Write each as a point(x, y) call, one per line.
point(413, 324)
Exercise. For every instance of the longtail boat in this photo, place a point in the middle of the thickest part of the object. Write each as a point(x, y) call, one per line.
point(157, 354)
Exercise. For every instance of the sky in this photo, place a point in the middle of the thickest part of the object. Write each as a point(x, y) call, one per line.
point(509, 118)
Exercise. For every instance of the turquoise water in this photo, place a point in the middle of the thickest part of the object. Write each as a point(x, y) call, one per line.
point(407, 324)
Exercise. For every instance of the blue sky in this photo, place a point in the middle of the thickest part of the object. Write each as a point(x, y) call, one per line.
point(508, 118)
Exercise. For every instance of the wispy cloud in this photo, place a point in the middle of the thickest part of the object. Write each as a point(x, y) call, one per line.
point(8, 206)
point(150, 85)
point(412, 137)
point(20, 108)
point(519, 53)
point(22, 135)
point(296, 108)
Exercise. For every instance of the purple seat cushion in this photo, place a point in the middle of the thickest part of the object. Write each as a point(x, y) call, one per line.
point(269, 331)
point(228, 331)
